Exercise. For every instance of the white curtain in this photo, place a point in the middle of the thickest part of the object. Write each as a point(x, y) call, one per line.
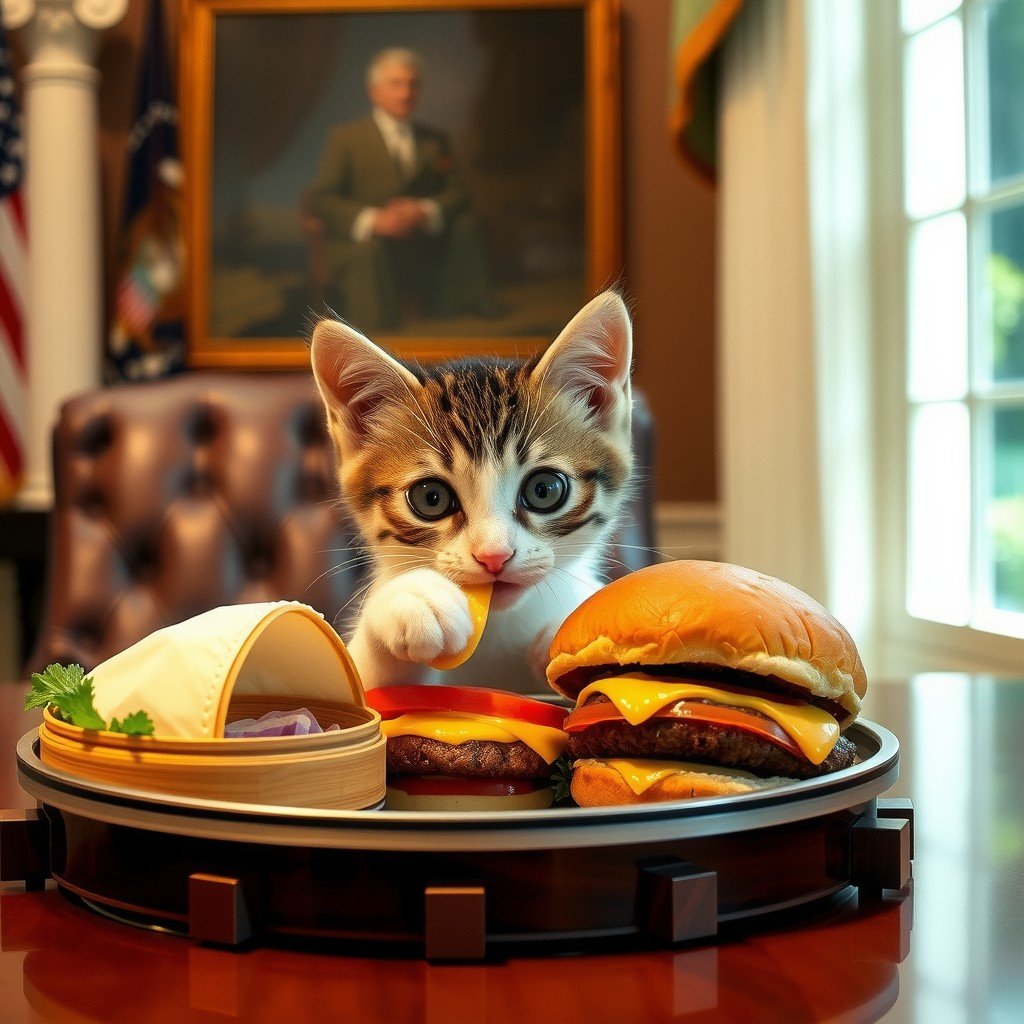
point(794, 303)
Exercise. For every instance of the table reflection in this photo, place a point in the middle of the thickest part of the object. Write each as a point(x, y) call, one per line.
point(845, 967)
point(963, 765)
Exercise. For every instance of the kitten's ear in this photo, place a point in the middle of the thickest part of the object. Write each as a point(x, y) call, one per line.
point(355, 378)
point(591, 358)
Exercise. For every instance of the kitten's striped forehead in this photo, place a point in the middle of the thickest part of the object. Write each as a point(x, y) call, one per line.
point(478, 406)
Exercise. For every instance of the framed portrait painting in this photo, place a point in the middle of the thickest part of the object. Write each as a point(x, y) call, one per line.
point(444, 176)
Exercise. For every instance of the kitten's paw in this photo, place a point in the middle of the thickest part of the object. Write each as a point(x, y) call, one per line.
point(420, 616)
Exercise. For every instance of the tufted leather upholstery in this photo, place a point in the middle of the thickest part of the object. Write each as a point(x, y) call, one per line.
point(206, 489)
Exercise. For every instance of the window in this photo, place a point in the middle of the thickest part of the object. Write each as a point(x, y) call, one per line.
point(963, 378)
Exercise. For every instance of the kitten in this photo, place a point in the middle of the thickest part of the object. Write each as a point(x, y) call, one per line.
point(478, 471)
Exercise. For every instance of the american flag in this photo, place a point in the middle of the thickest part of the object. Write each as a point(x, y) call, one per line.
point(13, 236)
point(146, 337)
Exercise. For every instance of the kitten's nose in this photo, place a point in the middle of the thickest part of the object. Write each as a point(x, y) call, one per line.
point(493, 559)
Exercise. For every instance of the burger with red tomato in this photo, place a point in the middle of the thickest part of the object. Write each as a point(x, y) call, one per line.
point(467, 749)
point(696, 679)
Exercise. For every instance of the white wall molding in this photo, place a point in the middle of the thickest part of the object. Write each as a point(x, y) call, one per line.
point(689, 529)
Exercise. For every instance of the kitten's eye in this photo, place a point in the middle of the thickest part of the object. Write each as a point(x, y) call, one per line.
point(546, 490)
point(431, 499)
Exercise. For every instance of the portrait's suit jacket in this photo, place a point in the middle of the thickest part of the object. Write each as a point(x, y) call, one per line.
point(356, 170)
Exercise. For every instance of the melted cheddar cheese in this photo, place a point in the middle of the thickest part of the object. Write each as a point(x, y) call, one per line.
point(460, 726)
point(639, 696)
point(640, 774)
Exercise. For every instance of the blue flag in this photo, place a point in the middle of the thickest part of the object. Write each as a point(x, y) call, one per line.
point(146, 338)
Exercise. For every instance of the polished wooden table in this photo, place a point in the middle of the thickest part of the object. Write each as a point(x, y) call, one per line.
point(948, 948)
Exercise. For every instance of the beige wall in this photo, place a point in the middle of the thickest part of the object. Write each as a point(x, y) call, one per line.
point(670, 255)
point(669, 238)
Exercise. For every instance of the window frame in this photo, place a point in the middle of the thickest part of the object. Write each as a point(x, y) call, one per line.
point(907, 643)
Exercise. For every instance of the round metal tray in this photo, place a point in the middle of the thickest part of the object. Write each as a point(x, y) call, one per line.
point(876, 770)
point(562, 874)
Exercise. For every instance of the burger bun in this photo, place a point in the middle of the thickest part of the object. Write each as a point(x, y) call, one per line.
point(710, 615)
point(595, 783)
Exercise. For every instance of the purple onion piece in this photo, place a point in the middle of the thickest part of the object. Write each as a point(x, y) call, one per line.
point(276, 723)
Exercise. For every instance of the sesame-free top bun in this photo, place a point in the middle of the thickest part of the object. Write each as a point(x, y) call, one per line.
point(709, 614)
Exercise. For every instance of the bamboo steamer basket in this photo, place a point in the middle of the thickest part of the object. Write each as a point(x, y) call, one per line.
point(235, 662)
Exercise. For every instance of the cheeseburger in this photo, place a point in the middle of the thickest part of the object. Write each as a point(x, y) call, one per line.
point(700, 679)
point(468, 749)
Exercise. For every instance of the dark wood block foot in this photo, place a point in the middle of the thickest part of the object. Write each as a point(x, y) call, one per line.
point(676, 901)
point(24, 848)
point(220, 909)
point(455, 922)
point(880, 853)
point(899, 808)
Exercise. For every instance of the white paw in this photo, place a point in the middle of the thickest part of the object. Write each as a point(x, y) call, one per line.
point(419, 616)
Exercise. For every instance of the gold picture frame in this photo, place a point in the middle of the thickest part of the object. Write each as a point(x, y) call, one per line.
point(528, 91)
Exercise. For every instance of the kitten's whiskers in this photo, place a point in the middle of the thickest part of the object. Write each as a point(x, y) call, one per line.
point(419, 437)
point(538, 419)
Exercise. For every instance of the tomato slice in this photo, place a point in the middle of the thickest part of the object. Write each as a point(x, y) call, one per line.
point(392, 701)
point(692, 711)
point(439, 785)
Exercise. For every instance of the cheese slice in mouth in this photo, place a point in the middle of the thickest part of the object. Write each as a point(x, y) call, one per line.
point(479, 602)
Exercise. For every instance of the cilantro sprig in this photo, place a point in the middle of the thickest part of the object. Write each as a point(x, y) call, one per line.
point(561, 778)
point(138, 723)
point(69, 691)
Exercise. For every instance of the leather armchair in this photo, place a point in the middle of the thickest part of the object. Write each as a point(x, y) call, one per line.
point(207, 489)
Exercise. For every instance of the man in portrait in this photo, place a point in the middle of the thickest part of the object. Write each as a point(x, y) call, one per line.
point(399, 237)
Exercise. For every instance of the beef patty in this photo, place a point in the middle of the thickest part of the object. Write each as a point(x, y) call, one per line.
point(704, 742)
point(482, 759)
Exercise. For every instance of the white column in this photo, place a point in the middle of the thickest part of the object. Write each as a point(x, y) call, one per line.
point(65, 305)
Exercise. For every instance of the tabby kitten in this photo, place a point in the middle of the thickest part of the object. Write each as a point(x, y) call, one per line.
point(478, 471)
